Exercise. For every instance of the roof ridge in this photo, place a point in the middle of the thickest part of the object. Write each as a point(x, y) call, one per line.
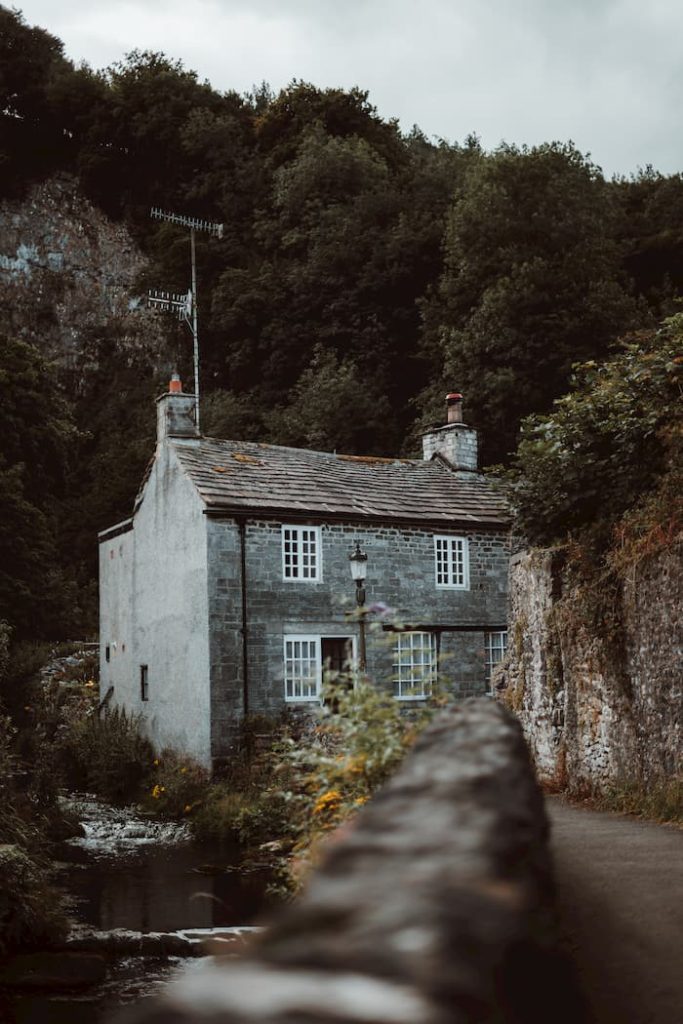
point(315, 451)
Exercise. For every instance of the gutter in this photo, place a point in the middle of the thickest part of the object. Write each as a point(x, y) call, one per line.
point(321, 516)
point(114, 531)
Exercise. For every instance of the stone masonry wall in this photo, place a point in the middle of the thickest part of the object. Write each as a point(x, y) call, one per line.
point(434, 906)
point(456, 442)
point(400, 575)
point(598, 709)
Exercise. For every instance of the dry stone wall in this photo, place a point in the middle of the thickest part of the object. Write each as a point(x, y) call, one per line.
point(600, 701)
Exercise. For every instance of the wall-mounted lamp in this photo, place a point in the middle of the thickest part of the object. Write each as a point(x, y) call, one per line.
point(358, 561)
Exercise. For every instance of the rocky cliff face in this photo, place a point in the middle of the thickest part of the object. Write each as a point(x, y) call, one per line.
point(599, 701)
point(67, 275)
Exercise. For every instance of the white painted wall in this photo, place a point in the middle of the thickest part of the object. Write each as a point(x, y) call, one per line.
point(158, 598)
point(116, 610)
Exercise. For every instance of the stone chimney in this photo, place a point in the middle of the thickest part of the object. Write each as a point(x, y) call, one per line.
point(176, 414)
point(456, 442)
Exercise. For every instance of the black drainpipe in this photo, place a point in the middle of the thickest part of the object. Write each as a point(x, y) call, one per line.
point(241, 523)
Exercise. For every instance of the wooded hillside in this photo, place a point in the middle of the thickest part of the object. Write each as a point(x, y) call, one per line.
point(363, 272)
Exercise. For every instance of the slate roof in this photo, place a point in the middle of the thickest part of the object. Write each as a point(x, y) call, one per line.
point(243, 476)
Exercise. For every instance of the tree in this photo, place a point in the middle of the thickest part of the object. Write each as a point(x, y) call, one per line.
point(31, 136)
point(651, 232)
point(36, 429)
point(334, 407)
point(133, 157)
point(341, 113)
point(607, 443)
point(531, 284)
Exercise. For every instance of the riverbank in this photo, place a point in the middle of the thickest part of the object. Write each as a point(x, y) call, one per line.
point(145, 901)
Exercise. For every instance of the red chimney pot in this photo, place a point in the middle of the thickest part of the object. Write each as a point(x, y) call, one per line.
point(175, 386)
point(454, 407)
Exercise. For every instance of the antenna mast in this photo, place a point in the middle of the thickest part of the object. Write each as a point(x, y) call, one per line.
point(185, 305)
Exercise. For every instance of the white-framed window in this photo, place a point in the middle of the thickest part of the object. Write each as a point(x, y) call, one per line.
point(496, 644)
point(307, 656)
point(301, 553)
point(414, 667)
point(303, 668)
point(452, 562)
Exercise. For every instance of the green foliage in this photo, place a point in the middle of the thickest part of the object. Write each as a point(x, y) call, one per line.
point(607, 443)
point(31, 911)
point(249, 817)
point(107, 755)
point(176, 784)
point(651, 233)
point(658, 801)
point(531, 284)
point(308, 775)
point(229, 415)
point(334, 407)
point(36, 430)
point(351, 254)
point(31, 139)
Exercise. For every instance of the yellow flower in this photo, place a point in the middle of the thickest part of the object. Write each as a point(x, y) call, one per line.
point(187, 808)
point(157, 791)
point(356, 765)
point(155, 762)
point(327, 802)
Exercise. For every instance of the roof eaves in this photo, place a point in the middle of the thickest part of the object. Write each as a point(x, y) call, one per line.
point(490, 522)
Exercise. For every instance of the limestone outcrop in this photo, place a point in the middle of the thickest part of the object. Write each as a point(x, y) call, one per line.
point(68, 274)
point(599, 699)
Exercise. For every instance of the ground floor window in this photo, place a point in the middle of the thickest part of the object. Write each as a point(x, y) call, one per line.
point(414, 665)
point(496, 645)
point(144, 682)
point(307, 657)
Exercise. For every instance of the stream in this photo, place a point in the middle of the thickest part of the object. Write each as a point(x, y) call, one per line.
point(138, 889)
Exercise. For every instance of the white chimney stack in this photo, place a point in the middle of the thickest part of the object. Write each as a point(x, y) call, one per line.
point(176, 414)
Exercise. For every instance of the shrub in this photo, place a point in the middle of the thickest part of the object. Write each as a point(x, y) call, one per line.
point(361, 737)
point(607, 443)
point(661, 801)
point(250, 818)
point(31, 911)
point(175, 785)
point(316, 774)
point(108, 755)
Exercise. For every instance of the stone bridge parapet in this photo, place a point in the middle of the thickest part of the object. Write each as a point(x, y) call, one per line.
point(434, 907)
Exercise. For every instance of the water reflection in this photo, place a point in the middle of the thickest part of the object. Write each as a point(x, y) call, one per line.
point(145, 876)
point(164, 888)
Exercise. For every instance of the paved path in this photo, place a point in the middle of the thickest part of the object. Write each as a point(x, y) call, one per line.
point(620, 888)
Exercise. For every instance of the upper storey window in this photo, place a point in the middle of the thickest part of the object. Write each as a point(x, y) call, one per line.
point(301, 553)
point(452, 562)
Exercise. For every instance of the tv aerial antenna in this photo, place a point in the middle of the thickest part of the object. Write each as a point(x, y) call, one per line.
point(185, 304)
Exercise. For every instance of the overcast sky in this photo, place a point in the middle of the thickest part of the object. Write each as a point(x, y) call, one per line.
point(606, 73)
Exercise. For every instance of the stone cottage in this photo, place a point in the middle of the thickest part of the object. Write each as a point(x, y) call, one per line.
point(228, 590)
